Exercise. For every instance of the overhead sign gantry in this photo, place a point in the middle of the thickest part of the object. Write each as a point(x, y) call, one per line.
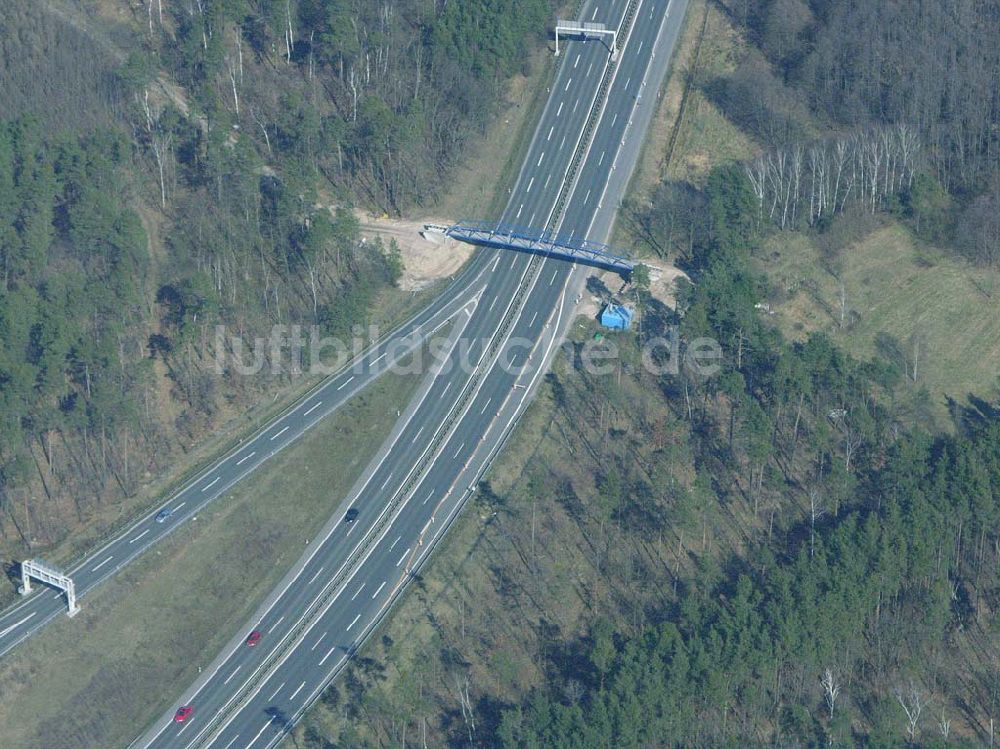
point(586, 29)
point(46, 573)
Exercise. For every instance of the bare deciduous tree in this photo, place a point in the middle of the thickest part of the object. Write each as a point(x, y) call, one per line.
point(462, 687)
point(944, 725)
point(831, 690)
point(913, 701)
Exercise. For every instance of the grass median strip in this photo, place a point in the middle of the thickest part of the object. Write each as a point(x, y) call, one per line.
point(140, 639)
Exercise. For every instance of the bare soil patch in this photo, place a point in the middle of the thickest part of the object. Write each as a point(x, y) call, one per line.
point(424, 260)
point(662, 287)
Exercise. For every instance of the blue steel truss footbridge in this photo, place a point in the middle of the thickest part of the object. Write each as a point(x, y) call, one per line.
point(547, 243)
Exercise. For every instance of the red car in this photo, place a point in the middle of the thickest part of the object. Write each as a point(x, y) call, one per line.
point(183, 713)
point(254, 638)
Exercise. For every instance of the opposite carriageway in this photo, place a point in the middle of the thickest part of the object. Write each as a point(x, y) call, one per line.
point(237, 703)
point(276, 701)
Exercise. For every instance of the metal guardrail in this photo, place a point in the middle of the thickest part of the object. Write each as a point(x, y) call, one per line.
point(319, 604)
point(624, 29)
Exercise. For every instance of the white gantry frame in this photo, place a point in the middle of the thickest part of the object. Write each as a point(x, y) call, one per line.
point(585, 29)
point(33, 568)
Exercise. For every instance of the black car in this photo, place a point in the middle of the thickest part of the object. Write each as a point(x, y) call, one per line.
point(164, 514)
point(351, 516)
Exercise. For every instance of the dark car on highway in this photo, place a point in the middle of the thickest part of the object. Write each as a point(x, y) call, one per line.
point(163, 514)
point(351, 516)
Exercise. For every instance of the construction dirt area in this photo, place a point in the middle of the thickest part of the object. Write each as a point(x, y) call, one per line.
point(424, 260)
point(662, 287)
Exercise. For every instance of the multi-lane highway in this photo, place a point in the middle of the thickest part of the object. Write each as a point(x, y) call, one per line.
point(503, 336)
point(28, 616)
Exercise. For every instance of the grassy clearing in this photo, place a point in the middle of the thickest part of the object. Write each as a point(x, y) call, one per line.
point(139, 640)
point(706, 138)
point(687, 136)
point(931, 303)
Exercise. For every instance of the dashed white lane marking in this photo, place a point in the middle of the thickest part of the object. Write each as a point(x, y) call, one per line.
point(313, 408)
point(540, 160)
point(270, 720)
point(417, 435)
point(353, 622)
point(530, 183)
point(375, 594)
point(589, 68)
point(387, 480)
point(562, 143)
point(328, 654)
point(245, 458)
point(231, 741)
point(595, 13)
point(216, 480)
point(586, 198)
point(405, 554)
point(628, 82)
point(559, 111)
point(567, 84)
point(296, 691)
point(275, 625)
point(276, 692)
point(446, 388)
point(344, 384)
point(103, 563)
point(547, 181)
point(394, 543)
point(358, 591)
point(532, 222)
point(139, 536)
point(640, 46)
point(601, 160)
point(458, 450)
point(316, 644)
point(550, 133)
point(283, 430)
point(428, 497)
point(488, 400)
point(554, 275)
point(575, 105)
point(576, 61)
point(18, 623)
point(614, 119)
point(533, 317)
point(377, 359)
point(180, 505)
point(519, 209)
point(315, 576)
point(232, 675)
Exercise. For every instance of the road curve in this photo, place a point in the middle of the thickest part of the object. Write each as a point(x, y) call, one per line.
point(337, 593)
